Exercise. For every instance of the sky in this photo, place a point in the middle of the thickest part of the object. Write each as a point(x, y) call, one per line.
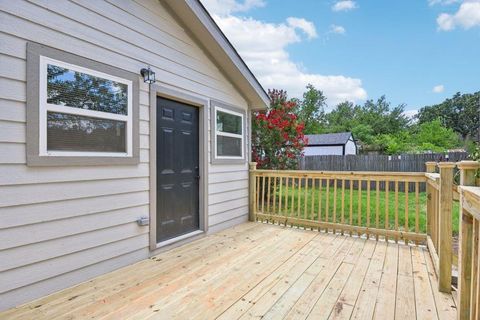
point(416, 52)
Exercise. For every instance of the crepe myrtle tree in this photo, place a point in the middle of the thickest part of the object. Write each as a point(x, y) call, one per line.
point(277, 135)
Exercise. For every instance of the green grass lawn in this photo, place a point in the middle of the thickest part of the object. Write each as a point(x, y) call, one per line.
point(298, 207)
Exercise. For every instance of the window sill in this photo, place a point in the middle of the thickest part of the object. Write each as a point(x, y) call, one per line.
point(228, 161)
point(59, 161)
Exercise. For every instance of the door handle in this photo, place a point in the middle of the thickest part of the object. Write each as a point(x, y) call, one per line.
point(198, 175)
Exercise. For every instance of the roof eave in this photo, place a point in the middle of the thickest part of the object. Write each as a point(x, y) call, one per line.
point(199, 22)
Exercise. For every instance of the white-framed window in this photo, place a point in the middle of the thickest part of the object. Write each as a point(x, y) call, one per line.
point(229, 135)
point(83, 112)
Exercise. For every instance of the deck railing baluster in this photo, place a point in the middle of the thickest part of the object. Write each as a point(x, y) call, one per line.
point(314, 200)
point(343, 204)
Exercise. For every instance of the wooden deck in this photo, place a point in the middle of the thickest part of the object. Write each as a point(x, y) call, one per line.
point(260, 271)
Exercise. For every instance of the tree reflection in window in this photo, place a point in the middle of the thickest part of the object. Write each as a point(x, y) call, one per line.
point(66, 132)
point(230, 123)
point(80, 90)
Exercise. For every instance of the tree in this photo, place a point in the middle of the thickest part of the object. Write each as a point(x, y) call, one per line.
point(427, 137)
point(394, 144)
point(433, 133)
point(368, 122)
point(84, 91)
point(382, 118)
point(342, 118)
point(364, 133)
point(277, 134)
point(461, 113)
point(311, 110)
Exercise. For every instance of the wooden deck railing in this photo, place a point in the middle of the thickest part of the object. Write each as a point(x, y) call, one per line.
point(469, 255)
point(388, 205)
point(440, 195)
point(373, 204)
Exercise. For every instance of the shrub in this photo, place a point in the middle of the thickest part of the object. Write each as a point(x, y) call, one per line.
point(277, 135)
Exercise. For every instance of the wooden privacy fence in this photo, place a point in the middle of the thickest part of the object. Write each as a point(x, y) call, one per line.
point(394, 163)
point(382, 163)
point(327, 201)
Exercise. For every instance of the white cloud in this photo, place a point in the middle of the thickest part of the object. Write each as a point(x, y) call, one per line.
point(225, 7)
point(304, 25)
point(337, 29)
point(467, 16)
point(442, 2)
point(264, 48)
point(344, 5)
point(410, 113)
point(438, 89)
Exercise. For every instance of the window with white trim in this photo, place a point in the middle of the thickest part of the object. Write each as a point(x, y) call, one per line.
point(229, 134)
point(83, 112)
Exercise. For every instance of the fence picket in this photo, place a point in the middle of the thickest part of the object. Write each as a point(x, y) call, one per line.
point(396, 163)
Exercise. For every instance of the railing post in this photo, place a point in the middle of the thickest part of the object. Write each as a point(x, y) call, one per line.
point(467, 178)
point(430, 168)
point(252, 191)
point(445, 226)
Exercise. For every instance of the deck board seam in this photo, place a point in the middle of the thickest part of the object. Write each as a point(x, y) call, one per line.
point(396, 281)
point(258, 283)
point(364, 276)
point(413, 281)
point(283, 294)
point(330, 280)
point(380, 281)
point(431, 285)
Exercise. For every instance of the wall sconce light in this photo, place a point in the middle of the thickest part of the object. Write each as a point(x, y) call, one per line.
point(148, 75)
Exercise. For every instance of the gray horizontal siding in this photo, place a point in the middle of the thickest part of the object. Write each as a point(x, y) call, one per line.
point(228, 215)
point(228, 223)
point(67, 227)
point(65, 280)
point(46, 269)
point(78, 241)
point(228, 186)
point(64, 209)
point(228, 196)
point(38, 193)
point(20, 174)
point(80, 221)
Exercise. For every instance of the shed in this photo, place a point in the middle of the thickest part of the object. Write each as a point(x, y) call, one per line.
point(100, 168)
point(341, 143)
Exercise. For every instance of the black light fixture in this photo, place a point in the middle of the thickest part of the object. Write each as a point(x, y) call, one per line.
point(148, 75)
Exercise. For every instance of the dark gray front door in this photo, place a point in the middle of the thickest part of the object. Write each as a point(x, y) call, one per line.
point(177, 169)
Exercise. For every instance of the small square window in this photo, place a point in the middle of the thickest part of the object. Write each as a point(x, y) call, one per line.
point(228, 134)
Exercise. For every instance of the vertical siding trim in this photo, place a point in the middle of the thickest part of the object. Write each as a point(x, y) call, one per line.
point(157, 90)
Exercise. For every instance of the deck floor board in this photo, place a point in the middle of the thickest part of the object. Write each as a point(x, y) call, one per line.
point(260, 271)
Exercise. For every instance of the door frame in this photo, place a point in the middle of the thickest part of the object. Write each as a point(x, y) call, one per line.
point(202, 104)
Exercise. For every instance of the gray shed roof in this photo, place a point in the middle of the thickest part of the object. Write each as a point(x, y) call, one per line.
point(328, 138)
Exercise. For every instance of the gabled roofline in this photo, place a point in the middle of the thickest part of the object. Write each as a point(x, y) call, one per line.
point(201, 24)
point(332, 144)
point(327, 145)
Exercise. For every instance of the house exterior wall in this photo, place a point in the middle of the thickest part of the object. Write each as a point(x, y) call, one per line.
point(350, 147)
point(63, 225)
point(323, 150)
